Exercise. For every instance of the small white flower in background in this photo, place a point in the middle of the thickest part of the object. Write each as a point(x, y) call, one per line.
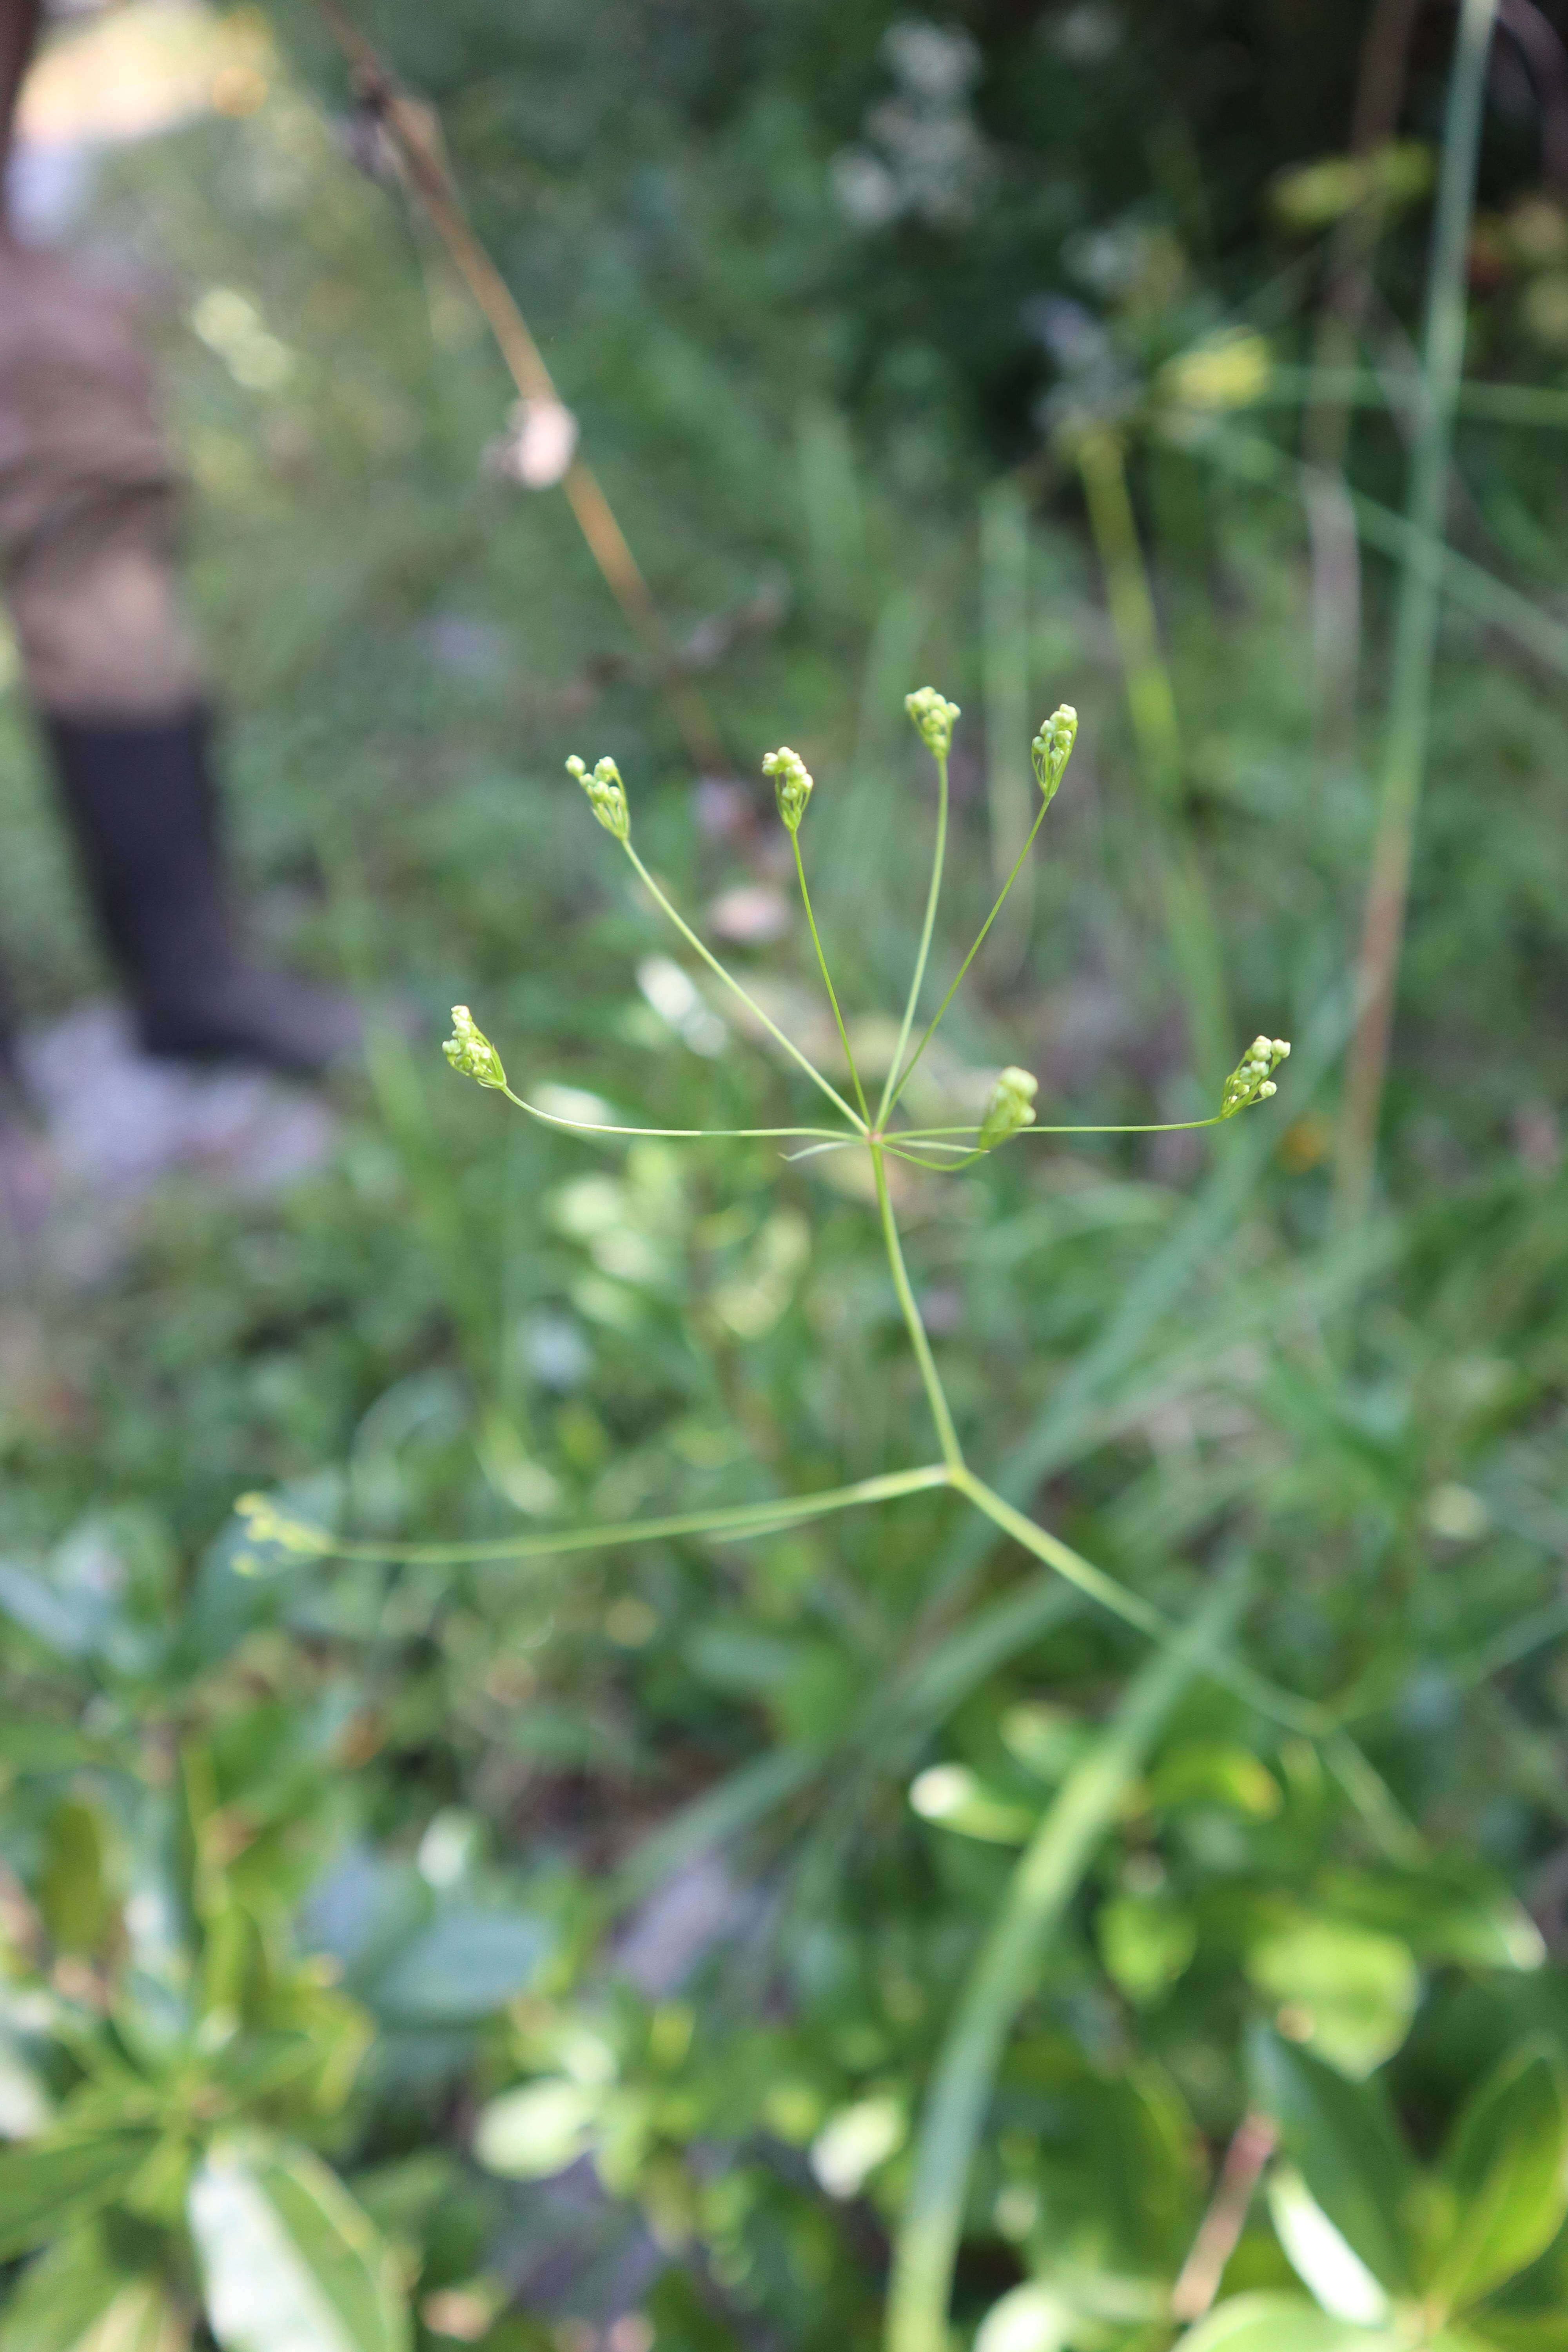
point(923, 153)
point(538, 445)
point(1252, 1079)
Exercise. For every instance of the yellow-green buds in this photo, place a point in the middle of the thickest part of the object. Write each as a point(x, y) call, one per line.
point(1251, 1081)
point(792, 783)
point(933, 716)
point(606, 794)
point(1010, 1106)
point(1052, 749)
point(469, 1051)
point(265, 1524)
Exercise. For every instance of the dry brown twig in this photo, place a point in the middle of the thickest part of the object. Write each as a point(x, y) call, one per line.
point(407, 126)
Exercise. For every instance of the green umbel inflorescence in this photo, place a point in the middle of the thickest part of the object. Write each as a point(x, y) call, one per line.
point(469, 1051)
point(606, 794)
point(792, 783)
point(933, 716)
point(1052, 749)
point(1010, 1106)
point(1252, 1080)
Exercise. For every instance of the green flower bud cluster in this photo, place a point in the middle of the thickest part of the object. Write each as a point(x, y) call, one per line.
point(606, 794)
point(1052, 749)
point(1010, 1106)
point(265, 1524)
point(933, 716)
point(1252, 1079)
point(792, 783)
point(469, 1051)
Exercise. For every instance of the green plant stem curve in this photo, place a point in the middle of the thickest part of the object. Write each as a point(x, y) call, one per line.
point(731, 982)
point(951, 1452)
point(939, 860)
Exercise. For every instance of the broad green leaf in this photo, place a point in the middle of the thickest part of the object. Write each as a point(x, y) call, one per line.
point(1199, 1774)
point(461, 1967)
point(1452, 1915)
point(289, 2261)
point(1343, 2141)
point(1321, 2259)
point(1506, 2164)
point(1029, 2318)
point(1145, 1942)
point(1278, 2323)
point(959, 1800)
point(76, 2298)
point(1347, 1991)
point(535, 2132)
point(73, 1893)
point(46, 2190)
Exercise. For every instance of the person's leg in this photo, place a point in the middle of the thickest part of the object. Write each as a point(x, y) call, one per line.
point(87, 522)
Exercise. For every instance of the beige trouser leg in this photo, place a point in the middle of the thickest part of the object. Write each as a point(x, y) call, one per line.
point(88, 505)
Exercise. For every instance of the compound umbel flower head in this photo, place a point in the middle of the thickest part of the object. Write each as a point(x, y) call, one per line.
point(1010, 1106)
point(1252, 1080)
point(1052, 749)
point(792, 783)
point(469, 1051)
point(933, 716)
point(606, 794)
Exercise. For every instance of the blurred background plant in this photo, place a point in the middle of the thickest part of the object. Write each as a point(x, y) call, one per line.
point(560, 1954)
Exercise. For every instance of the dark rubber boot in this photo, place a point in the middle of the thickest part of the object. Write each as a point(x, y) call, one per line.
point(143, 806)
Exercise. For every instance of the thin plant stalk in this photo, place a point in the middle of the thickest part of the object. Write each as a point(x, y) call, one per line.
point(1280, 1707)
point(1044, 1881)
point(302, 1540)
point(427, 176)
point(731, 982)
point(1415, 631)
point(938, 860)
point(951, 1452)
point(935, 1022)
point(672, 1134)
point(1152, 705)
point(828, 980)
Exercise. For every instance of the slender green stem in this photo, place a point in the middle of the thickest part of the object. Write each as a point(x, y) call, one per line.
point(1416, 630)
point(951, 1452)
point(827, 981)
point(677, 1134)
point(738, 1520)
point(1280, 1707)
point(889, 1090)
point(731, 982)
point(1046, 1878)
point(968, 1159)
point(936, 1020)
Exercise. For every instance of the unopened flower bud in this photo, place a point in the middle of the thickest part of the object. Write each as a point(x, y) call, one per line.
point(1252, 1080)
point(1010, 1106)
point(933, 716)
point(1052, 749)
point(469, 1051)
point(792, 783)
point(265, 1524)
point(606, 794)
